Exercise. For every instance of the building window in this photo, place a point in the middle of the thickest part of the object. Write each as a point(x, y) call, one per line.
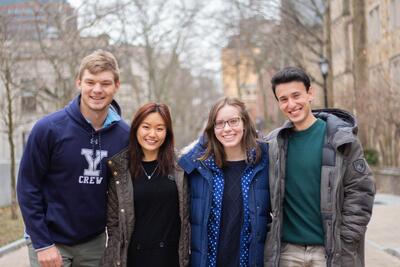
point(346, 7)
point(28, 97)
point(28, 102)
point(394, 14)
point(374, 29)
point(25, 135)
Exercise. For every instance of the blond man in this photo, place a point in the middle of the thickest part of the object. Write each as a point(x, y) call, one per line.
point(62, 179)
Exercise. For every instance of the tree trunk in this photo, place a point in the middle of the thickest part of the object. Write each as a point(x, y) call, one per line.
point(11, 144)
point(360, 67)
point(328, 52)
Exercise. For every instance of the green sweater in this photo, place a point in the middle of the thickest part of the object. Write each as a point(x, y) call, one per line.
point(301, 207)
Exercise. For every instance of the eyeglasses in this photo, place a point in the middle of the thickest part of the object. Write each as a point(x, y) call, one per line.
point(233, 122)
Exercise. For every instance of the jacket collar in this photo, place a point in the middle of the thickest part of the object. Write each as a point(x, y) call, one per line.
point(119, 161)
point(190, 160)
point(341, 126)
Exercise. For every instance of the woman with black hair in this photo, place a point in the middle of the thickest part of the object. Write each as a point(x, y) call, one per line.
point(147, 222)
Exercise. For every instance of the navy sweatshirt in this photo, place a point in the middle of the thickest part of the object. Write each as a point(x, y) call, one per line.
point(63, 176)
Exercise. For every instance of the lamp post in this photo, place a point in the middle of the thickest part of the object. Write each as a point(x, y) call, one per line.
point(324, 67)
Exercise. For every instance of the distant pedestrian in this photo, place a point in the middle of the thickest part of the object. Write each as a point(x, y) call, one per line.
point(148, 220)
point(322, 189)
point(63, 178)
point(228, 176)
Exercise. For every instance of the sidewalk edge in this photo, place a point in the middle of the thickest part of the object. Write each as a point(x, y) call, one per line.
point(12, 246)
point(393, 252)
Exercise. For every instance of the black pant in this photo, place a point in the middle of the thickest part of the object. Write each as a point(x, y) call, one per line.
point(159, 254)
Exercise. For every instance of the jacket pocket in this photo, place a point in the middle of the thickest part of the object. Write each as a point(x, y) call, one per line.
point(271, 243)
point(349, 255)
point(111, 255)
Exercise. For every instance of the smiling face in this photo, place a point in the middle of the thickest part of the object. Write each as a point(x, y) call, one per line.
point(151, 134)
point(97, 91)
point(295, 102)
point(231, 135)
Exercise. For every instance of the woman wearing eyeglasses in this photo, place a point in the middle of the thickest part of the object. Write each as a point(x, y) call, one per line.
point(227, 172)
point(147, 215)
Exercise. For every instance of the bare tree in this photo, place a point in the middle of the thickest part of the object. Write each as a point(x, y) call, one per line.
point(328, 51)
point(153, 41)
point(253, 48)
point(162, 31)
point(61, 46)
point(37, 66)
point(156, 41)
point(360, 61)
point(382, 129)
point(302, 33)
point(190, 110)
point(7, 105)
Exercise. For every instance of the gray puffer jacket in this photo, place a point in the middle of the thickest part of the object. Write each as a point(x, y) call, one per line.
point(347, 190)
point(121, 214)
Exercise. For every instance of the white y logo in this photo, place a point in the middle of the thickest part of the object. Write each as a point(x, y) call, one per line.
point(92, 169)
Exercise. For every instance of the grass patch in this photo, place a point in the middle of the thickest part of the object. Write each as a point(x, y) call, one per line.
point(10, 230)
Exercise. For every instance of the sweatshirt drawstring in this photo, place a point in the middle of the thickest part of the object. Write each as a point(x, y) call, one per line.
point(94, 142)
point(100, 151)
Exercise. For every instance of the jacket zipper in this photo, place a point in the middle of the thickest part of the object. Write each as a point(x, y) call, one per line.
point(207, 212)
point(279, 199)
point(330, 187)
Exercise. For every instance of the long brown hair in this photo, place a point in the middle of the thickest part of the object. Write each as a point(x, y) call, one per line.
point(249, 139)
point(166, 155)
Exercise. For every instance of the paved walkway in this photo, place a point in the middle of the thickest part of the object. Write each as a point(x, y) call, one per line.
point(382, 240)
point(383, 234)
point(17, 258)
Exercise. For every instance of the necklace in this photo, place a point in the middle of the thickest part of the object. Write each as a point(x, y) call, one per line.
point(151, 175)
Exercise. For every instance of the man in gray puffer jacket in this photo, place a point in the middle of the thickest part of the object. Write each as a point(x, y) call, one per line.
point(321, 187)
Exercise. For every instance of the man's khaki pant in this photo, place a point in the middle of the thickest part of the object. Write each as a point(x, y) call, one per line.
point(293, 255)
point(87, 254)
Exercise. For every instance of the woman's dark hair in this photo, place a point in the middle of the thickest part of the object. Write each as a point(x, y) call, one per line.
point(249, 139)
point(166, 155)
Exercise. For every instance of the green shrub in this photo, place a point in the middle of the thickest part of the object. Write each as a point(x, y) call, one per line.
point(372, 156)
